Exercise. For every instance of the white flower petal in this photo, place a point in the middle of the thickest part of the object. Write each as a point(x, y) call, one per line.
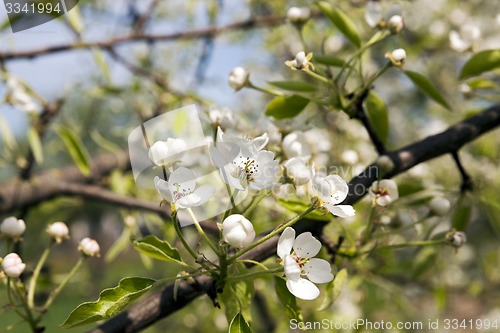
point(306, 246)
point(318, 270)
point(261, 141)
point(163, 188)
point(292, 268)
point(204, 192)
point(339, 189)
point(184, 177)
point(341, 210)
point(285, 243)
point(322, 187)
point(303, 289)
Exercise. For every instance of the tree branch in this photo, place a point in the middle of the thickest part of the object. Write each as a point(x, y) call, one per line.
point(163, 303)
point(263, 21)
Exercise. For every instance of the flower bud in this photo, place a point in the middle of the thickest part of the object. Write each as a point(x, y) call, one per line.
point(397, 57)
point(12, 227)
point(298, 15)
point(297, 170)
point(384, 163)
point(238, 78)
point(301, 61)
point(456, 238)
point(166, 152)
point(396, 24)
point(58, 231)
point(89, 247)
point(237, 231)
point(12, 265)
point(439, 206)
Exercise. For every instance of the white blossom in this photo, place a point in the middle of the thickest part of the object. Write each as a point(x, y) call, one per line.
point(397, 57)
point(180, 189)
point(396, 24)
point(13, 265)
point(238, 78)
point(384, 192)
point(89, 247)
point(223, 117)
point(58, 231)
point(167, 152)
point(242, 162)
point(350, 156)
point(332, 191)
point(12, 227)
point(373, 13)
point(464, 39)
point(295, 144)
point(301, 61)
point(300, 262)
point(440, 206)
point(298, 15)
point(238, 231)
point(18, 96)
point(297, 170)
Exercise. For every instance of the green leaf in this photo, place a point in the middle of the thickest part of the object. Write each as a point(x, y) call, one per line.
point(75, 148)
point(239, 325)
point(328, 60)
point(378, 115)
point(158, 249)
point(292, 310)
point(299, 206)
point(341, 21)
point(480, 83)
point(333, 289)
point(481, 62)
point(74, 19)
point(6, 134)
point(283, 107)
point(111, 301)
point(101, 63)
point(237, 297)
point(427, 87)
point(294, 86)
point(35, 145)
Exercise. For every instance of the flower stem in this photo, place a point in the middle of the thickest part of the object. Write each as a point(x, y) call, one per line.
point(265, 90)
point(369, 227)
point(317, 76)
point(181, 236)
point(255, 274)
point(272, 234)
point(64, 282)
point(255, 201)
point(408, 244)
point(36, 274)
point(202, 233)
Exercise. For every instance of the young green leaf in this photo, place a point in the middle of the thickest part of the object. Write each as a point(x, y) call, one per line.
point(111, 301)
point(378, 115)
point(35, 145)
point(333, 289)
point(427, 87)
point(237, 298)
point(239, 325)
point(328, 60)
point(294, 86)
point(341, 21)
point(283, 107)
point(75, 148)
point(101, 63)
point(158, 249)
point(481, 62)
point(287, 299)
point(299, 206)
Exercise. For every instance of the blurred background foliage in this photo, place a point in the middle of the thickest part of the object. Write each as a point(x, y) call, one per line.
point(104, 102)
